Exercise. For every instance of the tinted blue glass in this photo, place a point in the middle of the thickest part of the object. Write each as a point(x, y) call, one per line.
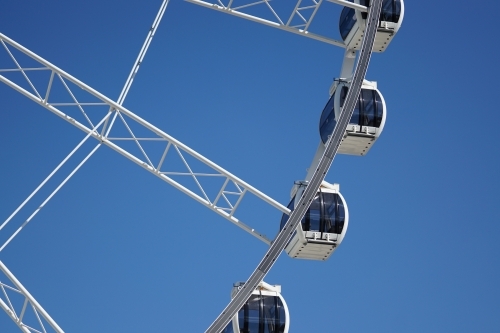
point(330, 212)
point(355, 114)
point(229, 328)
point(241, 319)
point(391, 11)
point(313, 215)
point(270, 314)
point(379, 109)
point(253, 314)
point(340, 219)
point(285, 217)
point(282, 318)
point(368, 98)
point(334, 213)
point(327, 121)
point(347, 21)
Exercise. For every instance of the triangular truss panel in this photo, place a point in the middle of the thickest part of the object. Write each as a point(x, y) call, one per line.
point(297, 16)
point(21, 307)
point(45, 86)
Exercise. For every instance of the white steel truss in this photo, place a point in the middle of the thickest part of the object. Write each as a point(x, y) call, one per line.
point(21, 307)
point(95, 114)
point(296, 19)
point(121, 99)
point(29, 304)
point(99, 117)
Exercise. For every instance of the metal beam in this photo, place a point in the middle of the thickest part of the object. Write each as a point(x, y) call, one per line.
point(121, 99)
point(275, 24)
point(38, 309)
point(350, 5)
point(142, 160)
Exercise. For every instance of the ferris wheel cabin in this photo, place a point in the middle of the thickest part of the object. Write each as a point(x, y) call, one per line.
point(367, 121)
point(352, 24)
point(324, 225)
point(264, 312)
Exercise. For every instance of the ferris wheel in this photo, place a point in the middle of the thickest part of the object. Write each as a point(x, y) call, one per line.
point(315, 221)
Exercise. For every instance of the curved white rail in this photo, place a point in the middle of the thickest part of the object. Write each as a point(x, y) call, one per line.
point(319, 174)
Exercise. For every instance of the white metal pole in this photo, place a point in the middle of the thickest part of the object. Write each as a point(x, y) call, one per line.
point(123, 94)
point(50, 197)
point(142, 53)
point(134, 117)
point(52, 173)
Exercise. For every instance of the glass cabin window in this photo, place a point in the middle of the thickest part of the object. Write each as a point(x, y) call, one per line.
point(229, 328)
point(379, 108)
point(367, 112)
point(355, 114)
point(327, 121)
point(368, 99)
point(262, 314)
point(330, 212)
point(391, 12)
point(326, 214)
point(347, 21)
point(282, 316)
point(285, 217)
point(252, 315)
point(334, 213)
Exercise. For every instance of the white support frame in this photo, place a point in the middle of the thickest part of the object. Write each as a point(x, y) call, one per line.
point(282, 20)
point(105, 128)
point(29, 304)
point(35, 306)
point(221, 204)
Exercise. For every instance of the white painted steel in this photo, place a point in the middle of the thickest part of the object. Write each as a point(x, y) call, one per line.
point(300, 29)
point(49, 197)
point(37, 308)
point(317, 178)
point(34, 304)
point(142, 52)
point(121, 99)
point(344, 3)
point(143, 160)
point(49, 177)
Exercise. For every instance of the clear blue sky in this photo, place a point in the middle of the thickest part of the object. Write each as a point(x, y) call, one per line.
point(117, 250)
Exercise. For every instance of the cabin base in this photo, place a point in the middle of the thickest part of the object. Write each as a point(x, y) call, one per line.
point(383, 38)
point(317, 246)
point(357, 142)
